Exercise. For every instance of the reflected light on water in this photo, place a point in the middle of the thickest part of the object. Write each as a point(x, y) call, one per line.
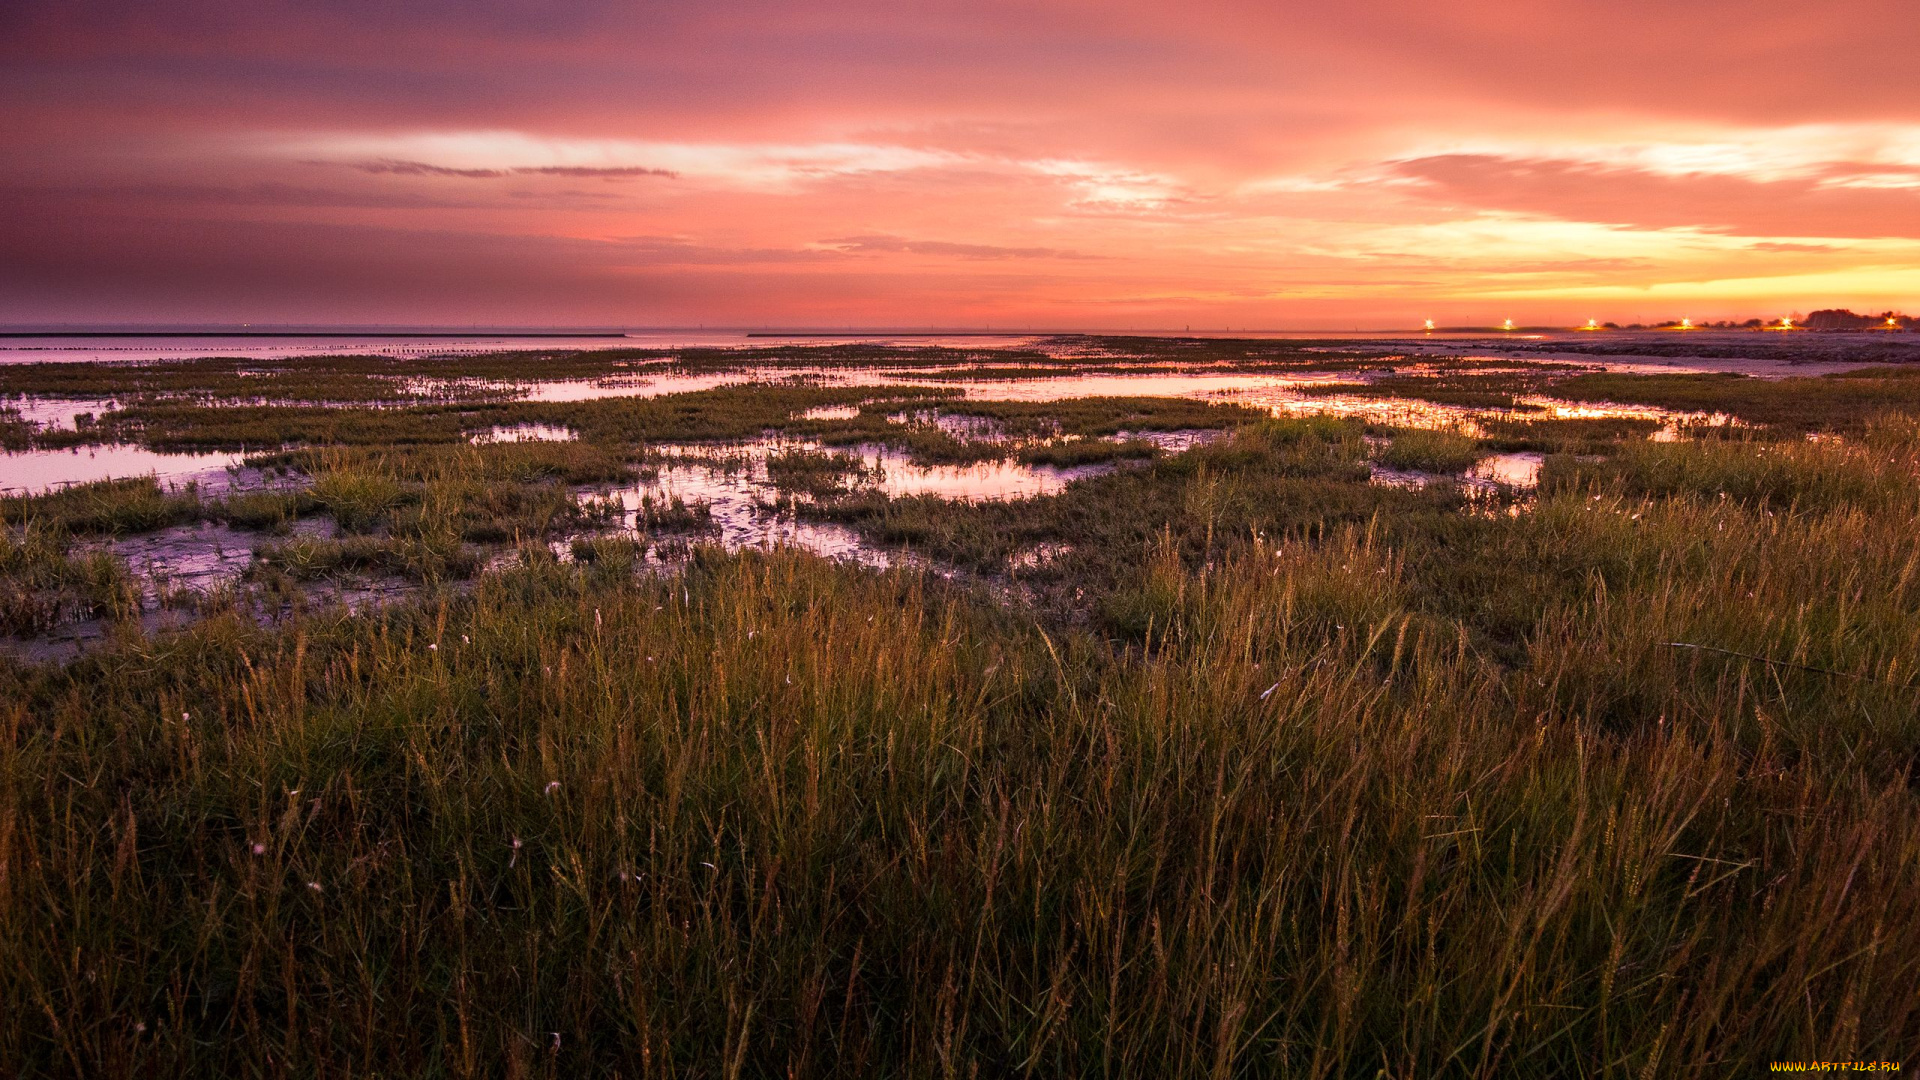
point(29, 472)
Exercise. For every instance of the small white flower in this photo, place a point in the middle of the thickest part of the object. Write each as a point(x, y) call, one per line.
point(553, 786)
point(259, 849)
point(432, 647)
point(315, 886)
point(186, 716)
point(465, 640)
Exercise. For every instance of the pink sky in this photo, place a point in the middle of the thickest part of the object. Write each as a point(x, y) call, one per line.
point(1051, 163)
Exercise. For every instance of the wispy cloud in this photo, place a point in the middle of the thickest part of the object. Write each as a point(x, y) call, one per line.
point(1805, 203)
point(857, 245)
point(393, 167)
point(485, 154)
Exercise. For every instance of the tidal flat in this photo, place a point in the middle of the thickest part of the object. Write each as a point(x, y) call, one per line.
point(1077, 706)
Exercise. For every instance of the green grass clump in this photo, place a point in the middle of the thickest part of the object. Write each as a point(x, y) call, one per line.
point(1781, 475)
point(42, 584)
point(1466, 389)
point(16, 431)
point(1573, 435)
point(427, 558)
point(271, 511)
point(616, 554)
point(814, 472)
point(105, 507)
point(1096, 417)
point(1841, 402)
point(358, 498)
point(1431, 451)
point(672, 513)
point(1071, 453)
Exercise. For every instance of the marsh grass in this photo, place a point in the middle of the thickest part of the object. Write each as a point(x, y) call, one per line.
point(1841, 402)
point(16, 431)
point(778, 816)
point(1572, 435)
point(1431, 451)
point(609, 554)
point(1874, 473)
point(1092, 417)
point(1266, 771)
point(1467, 388)
point(105, 507)
point(815, 473)
point(673, 513)
point(1271, 476)
point(425, 558)
point(43, 583)
point(358, 498)
point(1074, 453)
point(270, 511)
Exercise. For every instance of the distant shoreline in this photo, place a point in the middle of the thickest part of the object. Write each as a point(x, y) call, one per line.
point(309, 334)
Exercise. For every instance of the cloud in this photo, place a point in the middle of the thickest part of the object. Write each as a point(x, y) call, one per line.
point(421, 168)
point(679, 250)
point(1577, 190)
point(1226, 153)
point(610, 172)
point(261, 193)
point(940, 248)
point(1792, 248)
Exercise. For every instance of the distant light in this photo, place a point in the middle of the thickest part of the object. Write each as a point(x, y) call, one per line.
point(1686, 324)
point(1430, 323)
point(1786, 324)
point(1508, 325)
point(1891, 321)
point(1593, 324)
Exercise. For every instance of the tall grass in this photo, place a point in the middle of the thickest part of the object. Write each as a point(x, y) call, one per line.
point(104, 507)
point(785, 817)
point(1430, 451)
point(43, 583)
point(1362, 786)
point(1875, 471)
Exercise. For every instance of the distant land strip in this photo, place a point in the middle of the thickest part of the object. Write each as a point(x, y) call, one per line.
point(904, 333)
point(311, 333)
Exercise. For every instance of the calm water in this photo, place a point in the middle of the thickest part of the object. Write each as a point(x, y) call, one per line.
point(26, 472)
point(1281, 395)
point(176, 347)
point(1754, 346)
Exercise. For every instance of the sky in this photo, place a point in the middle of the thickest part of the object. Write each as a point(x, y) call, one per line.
point(1047, 163)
